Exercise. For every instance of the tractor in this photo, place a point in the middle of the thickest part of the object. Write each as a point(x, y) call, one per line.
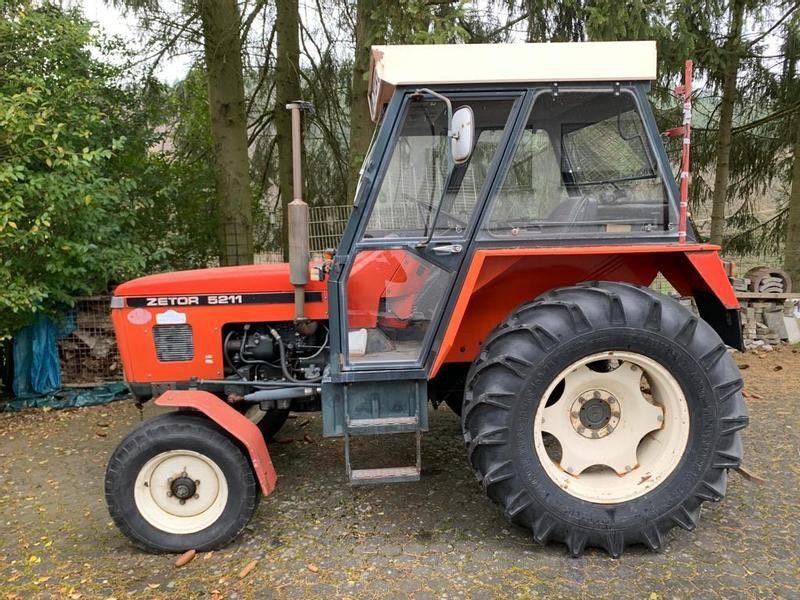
point(515, 206)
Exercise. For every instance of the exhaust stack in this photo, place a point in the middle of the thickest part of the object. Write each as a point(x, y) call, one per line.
point(298, 218)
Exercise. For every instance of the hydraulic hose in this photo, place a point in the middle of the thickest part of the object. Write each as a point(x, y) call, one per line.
point(284, 367)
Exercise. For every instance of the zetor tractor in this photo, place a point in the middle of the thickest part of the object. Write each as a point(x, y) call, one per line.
point(514, 206)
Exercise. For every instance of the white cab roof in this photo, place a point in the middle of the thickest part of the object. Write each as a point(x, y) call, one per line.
point(436, 64)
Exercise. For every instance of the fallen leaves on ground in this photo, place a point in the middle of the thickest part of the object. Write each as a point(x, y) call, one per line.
point(185, 558)
point(247, 569)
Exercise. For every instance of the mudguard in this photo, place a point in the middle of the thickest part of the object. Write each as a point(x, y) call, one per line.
point(236, 424)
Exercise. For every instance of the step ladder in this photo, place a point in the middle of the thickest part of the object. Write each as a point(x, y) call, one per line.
point(382, 426)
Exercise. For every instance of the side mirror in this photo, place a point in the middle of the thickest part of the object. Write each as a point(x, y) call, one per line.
point(462, 132)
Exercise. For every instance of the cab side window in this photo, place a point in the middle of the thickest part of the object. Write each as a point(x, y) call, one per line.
point(582, 164)
point(419, 177)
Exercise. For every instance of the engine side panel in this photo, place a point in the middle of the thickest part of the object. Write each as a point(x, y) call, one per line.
point(197, 305)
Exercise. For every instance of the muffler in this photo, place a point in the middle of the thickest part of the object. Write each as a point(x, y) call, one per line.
point(298, 217)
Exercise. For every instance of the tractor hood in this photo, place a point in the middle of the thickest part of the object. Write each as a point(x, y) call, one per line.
point(220, 280)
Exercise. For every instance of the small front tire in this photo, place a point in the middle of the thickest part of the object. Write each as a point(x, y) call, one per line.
point(178, 482)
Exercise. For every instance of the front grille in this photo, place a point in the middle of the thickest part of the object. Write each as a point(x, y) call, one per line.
point(174, 342)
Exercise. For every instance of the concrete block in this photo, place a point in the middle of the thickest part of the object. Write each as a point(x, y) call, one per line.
point(792, 327)
point(776, 324)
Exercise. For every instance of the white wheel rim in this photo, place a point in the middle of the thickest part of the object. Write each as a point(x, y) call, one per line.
point(158, 482)
point(254, 413)
point(618, 439)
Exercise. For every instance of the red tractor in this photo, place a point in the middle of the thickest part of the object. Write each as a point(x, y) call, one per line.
point(514, 207)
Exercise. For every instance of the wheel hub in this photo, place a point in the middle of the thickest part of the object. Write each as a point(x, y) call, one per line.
point(595, 414)
point(183, 487)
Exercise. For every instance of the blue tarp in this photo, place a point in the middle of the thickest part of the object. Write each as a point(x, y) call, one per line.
point(71, 398)
point(37, 370)
point(36, 366)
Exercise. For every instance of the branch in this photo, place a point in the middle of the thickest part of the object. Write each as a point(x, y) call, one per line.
point(250, 18)
point(777, 24)
point(776, 115)
point(508, 25)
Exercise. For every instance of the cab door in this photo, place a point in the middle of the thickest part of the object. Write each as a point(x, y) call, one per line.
point(399, 267)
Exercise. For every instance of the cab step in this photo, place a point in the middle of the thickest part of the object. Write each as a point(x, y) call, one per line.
point(385, 475)
point(365, 422)
point(382, 425)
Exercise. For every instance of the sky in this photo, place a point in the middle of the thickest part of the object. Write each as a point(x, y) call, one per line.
point(114, 21)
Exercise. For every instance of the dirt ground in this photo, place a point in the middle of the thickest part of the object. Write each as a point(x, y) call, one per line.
point(316, 537)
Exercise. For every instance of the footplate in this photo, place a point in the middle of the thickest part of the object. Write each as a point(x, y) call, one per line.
point(386, 475)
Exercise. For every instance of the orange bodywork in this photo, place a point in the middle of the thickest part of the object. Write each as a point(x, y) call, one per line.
point(499, 280)
point(392, 275)
point(133, 324)
point(496, 281)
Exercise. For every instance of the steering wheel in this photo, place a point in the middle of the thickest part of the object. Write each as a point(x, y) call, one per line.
point(459, 224)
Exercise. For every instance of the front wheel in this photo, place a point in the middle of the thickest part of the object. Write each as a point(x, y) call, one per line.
point(603, 415)
point(177, 482)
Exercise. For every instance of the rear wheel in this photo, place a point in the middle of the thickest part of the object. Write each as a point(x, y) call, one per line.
point(269, 421)
point(178, 482)
point(603, 415)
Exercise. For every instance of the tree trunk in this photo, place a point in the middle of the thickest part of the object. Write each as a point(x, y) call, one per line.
point(226, 105)
point(730, 70)
point(792, 251)
point(287, 89)
point(361, 125)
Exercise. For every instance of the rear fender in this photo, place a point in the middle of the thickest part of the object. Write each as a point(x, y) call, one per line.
point(236, 424)
point(702, 275)
point(499, 279)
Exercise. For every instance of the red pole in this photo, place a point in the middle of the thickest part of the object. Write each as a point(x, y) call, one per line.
point(686, 92)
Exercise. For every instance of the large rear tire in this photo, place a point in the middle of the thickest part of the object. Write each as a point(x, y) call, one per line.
point(178, 482)
point(603, 415)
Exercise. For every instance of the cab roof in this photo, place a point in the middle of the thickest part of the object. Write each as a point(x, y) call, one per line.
point(557, 62)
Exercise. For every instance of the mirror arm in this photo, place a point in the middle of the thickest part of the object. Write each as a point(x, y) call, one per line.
point(451, 163)
point(450, 133)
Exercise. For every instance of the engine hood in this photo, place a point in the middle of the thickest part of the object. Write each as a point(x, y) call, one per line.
point(219, 280)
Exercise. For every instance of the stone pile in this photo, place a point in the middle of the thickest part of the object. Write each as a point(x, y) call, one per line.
point(767, 322)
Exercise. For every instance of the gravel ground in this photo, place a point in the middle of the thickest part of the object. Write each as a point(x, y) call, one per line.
point(316, 537)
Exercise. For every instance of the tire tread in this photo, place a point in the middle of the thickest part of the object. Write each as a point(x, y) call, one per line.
point(537, 328)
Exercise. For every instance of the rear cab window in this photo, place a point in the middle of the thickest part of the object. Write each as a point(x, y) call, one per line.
point(583, 165)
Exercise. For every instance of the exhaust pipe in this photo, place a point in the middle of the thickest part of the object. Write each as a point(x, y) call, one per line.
point(298, 218)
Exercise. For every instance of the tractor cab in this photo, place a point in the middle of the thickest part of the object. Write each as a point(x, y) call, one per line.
point(514, 208)
point(548, 162)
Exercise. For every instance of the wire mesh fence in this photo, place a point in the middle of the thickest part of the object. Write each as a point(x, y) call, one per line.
point(326, 225)
point(88, 353)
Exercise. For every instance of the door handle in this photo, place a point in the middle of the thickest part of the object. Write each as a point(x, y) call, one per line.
point(448, 249)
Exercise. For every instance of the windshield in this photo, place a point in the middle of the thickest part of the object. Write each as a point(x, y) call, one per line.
point(420, 188)
point(413, 183)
